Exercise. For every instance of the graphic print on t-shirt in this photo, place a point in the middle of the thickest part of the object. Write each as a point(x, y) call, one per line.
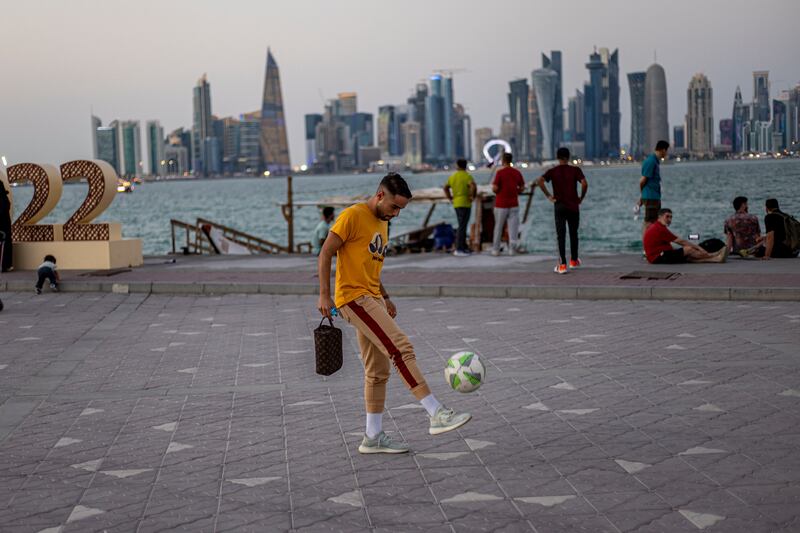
point(376, 247)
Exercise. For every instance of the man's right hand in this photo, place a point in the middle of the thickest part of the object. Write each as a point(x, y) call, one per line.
point(324, 305)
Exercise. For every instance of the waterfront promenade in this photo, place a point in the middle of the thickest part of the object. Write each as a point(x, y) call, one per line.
point(434, 275)
point(161, 411)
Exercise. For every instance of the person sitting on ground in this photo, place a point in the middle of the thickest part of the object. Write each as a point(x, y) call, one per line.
point(47, 270)
point(321, 231)
point(658, 245)
point(742, 231)
point(774, 240)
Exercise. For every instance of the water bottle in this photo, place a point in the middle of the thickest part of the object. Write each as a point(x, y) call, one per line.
point(636, 210)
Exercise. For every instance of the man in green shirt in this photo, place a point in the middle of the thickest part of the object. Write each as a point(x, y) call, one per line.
point(461, 190)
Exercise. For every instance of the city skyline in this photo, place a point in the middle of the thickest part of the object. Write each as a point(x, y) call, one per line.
point(382, 66)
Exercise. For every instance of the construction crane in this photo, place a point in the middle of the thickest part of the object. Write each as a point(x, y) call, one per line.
point(449, 71)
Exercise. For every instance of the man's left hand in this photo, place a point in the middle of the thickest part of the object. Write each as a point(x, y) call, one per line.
point(390, 308)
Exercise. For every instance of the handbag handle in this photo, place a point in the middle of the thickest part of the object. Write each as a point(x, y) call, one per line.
point(330, 321)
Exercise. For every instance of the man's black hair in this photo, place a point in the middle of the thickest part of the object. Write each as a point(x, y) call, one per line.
point(462, 164)
point(50, 258)
point(395, 184)
point(664, 210)
point(662, 145)
point(772, 203)
point(507, 158)
point(738, 201)
point(327, 211)
point(562, 154)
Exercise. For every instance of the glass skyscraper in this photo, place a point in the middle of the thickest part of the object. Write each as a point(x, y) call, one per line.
point(602, 116)
point(201, 127)
point(274, 144)
point(656, 117)
point(636, 84)
point(545, 84)
point(518, 111)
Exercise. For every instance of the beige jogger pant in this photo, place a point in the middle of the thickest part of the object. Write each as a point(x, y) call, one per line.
point(381, 341)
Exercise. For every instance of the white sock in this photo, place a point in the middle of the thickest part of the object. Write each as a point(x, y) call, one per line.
point(374, 424)
point(431, 404)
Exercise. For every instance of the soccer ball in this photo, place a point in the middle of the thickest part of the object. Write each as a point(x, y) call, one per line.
point(465, 372)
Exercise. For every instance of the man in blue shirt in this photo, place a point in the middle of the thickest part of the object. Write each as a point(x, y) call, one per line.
point(650, 184)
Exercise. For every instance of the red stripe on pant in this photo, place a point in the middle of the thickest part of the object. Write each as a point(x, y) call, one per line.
point(397, 357)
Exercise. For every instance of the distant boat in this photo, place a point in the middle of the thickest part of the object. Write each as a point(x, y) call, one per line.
point(124, 186)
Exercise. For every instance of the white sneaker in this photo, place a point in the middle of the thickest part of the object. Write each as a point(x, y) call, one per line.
point(495, 253)
point(460, 253)
point(447, 420)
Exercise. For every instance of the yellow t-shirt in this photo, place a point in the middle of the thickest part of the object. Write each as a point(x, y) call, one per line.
point(459, 185)
point(360, 259)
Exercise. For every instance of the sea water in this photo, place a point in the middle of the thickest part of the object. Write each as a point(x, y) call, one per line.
point(699, 193)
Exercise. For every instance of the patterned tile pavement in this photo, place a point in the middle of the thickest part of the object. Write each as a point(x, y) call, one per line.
point(159, 413)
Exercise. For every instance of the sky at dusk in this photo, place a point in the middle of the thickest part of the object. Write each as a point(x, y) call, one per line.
point(139, 60)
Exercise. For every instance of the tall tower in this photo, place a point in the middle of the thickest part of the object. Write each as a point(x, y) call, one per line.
point(201, 127)
point(545, 83)
point(637, 83)
point(434, 123)
point(761, 102)
point(593, 107)
point(655, 107)
point(554, 63)
point(274, 145)
point(448, 118)
point(155, 148)
point(700, 117)
point(737, 144)
point(518, 109)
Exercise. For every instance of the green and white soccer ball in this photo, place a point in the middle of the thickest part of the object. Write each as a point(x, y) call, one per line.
point(465, 372)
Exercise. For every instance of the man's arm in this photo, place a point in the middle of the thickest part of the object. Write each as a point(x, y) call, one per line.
point(390, 307)
point(770, 244)
point(329, 249)
point(540, 183)
point(447, 191)
point(584, 188)
point(473, 191)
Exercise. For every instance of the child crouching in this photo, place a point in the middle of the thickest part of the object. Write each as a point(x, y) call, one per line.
point(47, 270)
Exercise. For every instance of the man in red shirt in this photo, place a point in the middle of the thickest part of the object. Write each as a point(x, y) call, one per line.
point(565, 180)
point(658, 245)
point(507, 186)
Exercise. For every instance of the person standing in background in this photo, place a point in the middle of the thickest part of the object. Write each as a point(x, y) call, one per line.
point(5, 228)
point(461, 190)
point(507, 185)
point(321, 231)
point(650, 185)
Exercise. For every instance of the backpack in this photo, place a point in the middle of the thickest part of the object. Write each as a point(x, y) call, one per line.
point(712, 246)
point(792, 230)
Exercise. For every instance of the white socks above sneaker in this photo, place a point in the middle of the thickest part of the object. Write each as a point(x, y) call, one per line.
point(374, 424)
point(431, 404)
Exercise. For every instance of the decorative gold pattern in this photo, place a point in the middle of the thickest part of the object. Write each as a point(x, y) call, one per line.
point(41, 190)
point(74, 229)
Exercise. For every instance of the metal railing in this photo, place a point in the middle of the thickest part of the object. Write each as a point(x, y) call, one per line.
point(196, 240)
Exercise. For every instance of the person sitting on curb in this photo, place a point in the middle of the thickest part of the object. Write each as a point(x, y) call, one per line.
point(775, 238)
point(47, 270)
point(742, 230)
point(658, 245)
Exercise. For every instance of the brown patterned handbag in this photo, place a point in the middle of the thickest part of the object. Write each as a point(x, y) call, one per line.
point(328, 348)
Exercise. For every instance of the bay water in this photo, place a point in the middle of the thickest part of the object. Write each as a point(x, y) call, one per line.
point(699, 193)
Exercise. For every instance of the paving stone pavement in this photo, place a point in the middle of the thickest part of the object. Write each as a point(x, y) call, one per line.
point(196, 413)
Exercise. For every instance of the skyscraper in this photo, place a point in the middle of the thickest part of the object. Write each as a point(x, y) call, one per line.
point(554, 63)
point(636, 84)
point(726, 132)
point(130, 148)
point(274, 145)
point(518, 110)
point(679, 138)
point(434, 122)
point(655, 107)
point(155, 149)
point(602, 116)
point(700, 117)
point(201, 127)
point(346, 104)
point(534, 127)
point(761, 101)
point(96, 123)
point(739, 117)
point(312, 120)
point(448, 119)
point(545, 84)
point(575, 113)
point(107, 148)
point(416, 103)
